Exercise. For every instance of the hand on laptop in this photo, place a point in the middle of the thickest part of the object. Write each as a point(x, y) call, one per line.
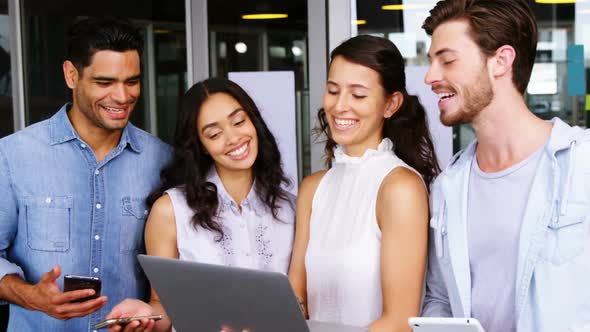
point(132, 308)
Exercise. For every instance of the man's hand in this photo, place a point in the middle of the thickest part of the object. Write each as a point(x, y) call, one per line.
point(132, 308)
point(45, 296)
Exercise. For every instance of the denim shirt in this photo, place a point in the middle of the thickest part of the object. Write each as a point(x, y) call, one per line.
point(59, 206)
point(552, 284)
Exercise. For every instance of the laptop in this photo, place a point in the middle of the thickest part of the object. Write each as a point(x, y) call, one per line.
point(209, 298)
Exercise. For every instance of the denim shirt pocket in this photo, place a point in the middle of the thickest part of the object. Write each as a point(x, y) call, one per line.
point(566, 235)
point(133, 216)
point(48, 221)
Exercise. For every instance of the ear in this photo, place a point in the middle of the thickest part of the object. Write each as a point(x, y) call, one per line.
point(394, 102)
point(501, 63)
point(70, 74)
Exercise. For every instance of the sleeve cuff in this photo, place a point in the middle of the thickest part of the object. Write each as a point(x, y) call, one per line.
point(7, 268)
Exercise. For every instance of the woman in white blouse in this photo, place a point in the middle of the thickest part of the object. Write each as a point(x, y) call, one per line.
point(362, 226)
point(221, 200)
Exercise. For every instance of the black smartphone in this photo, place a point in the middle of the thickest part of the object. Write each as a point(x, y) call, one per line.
point(73, 282)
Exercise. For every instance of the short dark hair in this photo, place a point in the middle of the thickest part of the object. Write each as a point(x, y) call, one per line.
point(90, 35)
point(494, 23)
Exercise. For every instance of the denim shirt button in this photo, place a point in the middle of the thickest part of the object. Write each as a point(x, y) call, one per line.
point(95, 270)
point(98, 206)
point(83, 146)
point(97, 237)
point(96, 172)
point(48, 200)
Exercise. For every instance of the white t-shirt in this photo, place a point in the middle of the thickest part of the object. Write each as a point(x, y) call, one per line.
point(495, 209)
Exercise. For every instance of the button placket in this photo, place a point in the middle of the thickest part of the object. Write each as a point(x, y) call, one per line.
point(97, 227)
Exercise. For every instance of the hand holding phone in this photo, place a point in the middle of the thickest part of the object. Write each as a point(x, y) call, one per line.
point(74, 282)
point(124, 320)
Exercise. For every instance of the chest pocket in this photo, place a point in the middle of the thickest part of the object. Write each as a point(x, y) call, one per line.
point(48, 221)
point(566, 235)
point(134, 213)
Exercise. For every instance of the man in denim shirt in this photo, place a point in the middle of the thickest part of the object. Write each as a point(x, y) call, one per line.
point(73, 188)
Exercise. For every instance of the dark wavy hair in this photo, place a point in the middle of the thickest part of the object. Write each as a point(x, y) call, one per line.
point(408, 127)
point(191, 164)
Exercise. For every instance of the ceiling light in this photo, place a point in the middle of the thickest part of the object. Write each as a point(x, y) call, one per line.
point(296, 50)
point(360, 22)
point(264, 16)
point(405, 7)
point(241, 47)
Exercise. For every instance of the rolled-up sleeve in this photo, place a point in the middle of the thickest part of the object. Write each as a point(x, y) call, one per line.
point(436, 299)
point(8, 218)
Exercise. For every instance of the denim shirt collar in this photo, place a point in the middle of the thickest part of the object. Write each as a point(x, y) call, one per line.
point(226, 202)
point(61, 131)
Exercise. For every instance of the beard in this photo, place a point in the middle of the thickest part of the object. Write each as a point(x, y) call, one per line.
point(92, 115)
point(475, 99)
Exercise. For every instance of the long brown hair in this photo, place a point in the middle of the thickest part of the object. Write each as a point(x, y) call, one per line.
point(408, 127)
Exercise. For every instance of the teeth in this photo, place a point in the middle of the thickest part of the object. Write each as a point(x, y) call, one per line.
point(239, 151)
point(445, 95)
point(116, 110)
point(342, 122)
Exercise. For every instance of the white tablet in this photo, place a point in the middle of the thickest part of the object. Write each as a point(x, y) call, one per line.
point(440, 324)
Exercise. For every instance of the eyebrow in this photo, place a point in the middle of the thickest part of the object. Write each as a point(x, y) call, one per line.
point(355, 85)
point(213, 124)
point(442, 51)
point(106, 78)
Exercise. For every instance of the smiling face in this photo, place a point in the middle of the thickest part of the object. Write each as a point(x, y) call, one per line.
point(356, 106)
point(227, 133)
point(458, 74)
point(106, 91)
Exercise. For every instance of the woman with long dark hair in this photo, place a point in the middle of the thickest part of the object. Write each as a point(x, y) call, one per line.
point(362, 226)
point(222, 199)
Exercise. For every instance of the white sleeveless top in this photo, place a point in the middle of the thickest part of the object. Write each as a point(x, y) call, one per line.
point(343, 255)
point(252, 239)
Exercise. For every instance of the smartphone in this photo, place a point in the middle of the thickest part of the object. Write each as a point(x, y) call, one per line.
point(443, 324)
point(73, 282)
point(124, 320)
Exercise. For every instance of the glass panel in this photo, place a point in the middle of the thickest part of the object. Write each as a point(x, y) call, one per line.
point(547, 92)
point(6, 112)
point(547, 95)
point(238, 45)
point(171, 74)
point(45, 27)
